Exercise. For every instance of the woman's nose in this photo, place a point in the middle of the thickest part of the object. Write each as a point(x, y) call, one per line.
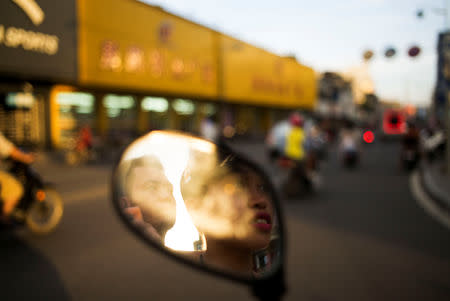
point(258, 200)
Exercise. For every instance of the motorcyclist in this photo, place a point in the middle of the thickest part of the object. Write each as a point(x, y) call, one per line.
point(411, 140)
point(85, 139)
point(295, 139)
point(10, 188)
point(348, 144)
point(304, 165)
point(314, 146)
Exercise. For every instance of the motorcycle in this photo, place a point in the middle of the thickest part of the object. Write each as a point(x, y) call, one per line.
point(297, 181)
point(75, 155)
point(350, 158)
point(410, 158)
point(41, 206)
point(302, 178)
point(196, 205)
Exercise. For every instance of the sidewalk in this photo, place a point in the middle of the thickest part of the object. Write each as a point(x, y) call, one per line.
point(436, 182)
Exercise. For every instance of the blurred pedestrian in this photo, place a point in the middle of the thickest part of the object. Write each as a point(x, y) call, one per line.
point(411, 140)
point(209, 129)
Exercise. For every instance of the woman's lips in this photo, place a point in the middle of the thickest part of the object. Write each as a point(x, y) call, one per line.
point(263, 221)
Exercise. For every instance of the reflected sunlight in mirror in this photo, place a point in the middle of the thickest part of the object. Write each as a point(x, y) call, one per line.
point(183, 236)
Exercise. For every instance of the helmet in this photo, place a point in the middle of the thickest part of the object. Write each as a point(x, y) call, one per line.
point(296, 120)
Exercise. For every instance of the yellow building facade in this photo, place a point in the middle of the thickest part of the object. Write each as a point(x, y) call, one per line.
point(142, 68)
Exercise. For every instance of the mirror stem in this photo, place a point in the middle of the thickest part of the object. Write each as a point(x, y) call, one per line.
point(272, 289)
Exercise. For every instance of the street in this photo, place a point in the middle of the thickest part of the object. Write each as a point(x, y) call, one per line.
point(361, 237)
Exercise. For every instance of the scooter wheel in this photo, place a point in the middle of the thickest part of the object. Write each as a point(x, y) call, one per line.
point(44, 216)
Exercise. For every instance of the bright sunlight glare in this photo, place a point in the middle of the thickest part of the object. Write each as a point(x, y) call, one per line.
point(173, 152)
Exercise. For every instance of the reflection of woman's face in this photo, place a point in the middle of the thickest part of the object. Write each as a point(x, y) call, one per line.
point(260, 207)
point(243, 207)
point(150, 189)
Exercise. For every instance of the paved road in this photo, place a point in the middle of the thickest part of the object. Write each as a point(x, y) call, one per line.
point(362, 237)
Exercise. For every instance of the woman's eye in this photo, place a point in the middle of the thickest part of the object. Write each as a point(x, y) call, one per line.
point(261, 188)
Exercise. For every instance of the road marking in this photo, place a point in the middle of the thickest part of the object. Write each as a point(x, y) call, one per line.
point(426, 202)
point(86, 195)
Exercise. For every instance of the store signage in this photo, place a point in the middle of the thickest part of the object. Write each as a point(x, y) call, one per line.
point(273, 85)
point(29, 40)
point(38, 38)
point(32, 10)
point(165, 32)
point(156, 62)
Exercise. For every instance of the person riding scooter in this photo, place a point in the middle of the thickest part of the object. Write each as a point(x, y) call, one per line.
point(302, 176)
point(11, 189)
point(410, 152)
point(348, 146)
point(295, 139)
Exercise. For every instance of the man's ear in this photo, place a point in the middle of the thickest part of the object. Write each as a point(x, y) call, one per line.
point(125, 202)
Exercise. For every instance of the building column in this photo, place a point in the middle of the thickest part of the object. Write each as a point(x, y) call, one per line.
point(101, 122)
point(142, 117)
point(172, 116)
point(53, 114)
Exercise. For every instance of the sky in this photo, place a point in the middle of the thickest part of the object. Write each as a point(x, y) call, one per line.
point(330, 35)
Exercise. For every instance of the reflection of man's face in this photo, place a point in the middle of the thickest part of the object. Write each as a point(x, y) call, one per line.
point(149, 189)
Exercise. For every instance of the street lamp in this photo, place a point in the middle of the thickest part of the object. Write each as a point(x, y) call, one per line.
point(438, 11)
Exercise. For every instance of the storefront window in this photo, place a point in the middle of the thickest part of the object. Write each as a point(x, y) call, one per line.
point(157, 108)
point(20, 120)
point(184, 110)
point(119, 106)
point(73, 103)
point(122, 114)
point(209, 109)
point(75, 109)
point(19, 100)
point(155, 104)
point(183, 106)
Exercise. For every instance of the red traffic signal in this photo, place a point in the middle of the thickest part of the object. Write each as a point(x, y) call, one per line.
point(368, 136)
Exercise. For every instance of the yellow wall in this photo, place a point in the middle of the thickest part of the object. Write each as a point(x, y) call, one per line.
point(55, 125)
point(178, 57)
point(181, 58)
point(255, 76)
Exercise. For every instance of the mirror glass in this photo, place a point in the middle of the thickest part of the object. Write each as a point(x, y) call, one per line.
point(199, 202)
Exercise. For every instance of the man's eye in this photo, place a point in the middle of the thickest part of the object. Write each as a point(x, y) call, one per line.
point(150, 185)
